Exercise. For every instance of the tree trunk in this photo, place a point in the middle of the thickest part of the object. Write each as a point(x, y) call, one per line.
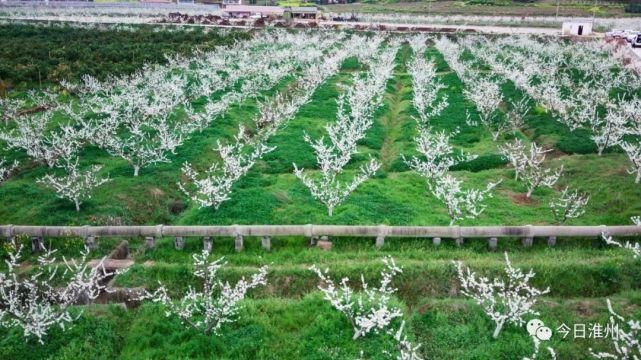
point(77, 205)
point(638, 179)
point(532, 187)
point(497, 331)
point(136, 170)
point(529, 193)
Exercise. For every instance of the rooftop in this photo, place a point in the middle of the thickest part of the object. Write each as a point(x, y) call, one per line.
point(254, 9)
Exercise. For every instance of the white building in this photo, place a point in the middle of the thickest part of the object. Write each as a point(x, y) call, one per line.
point(577, 28)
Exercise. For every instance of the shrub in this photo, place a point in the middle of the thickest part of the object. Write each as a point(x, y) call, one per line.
point(484, 162)
point(66, 53)
point(633, 8)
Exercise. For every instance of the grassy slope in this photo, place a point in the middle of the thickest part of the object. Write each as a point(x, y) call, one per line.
point(288, 319)
point(271, 194)
point(309, 329)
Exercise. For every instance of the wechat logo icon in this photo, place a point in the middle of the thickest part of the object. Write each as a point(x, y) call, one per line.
point(538, 330)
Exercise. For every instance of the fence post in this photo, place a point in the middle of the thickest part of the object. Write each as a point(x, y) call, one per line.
point(208, 244)
point(528, 240)
point(266, 243)
point(459, 239)
point(179, 242)
point(11, 237)
point(380, 239)
point(90, 241)
point(551, 241)
point(238, 241)
point(436, 241)
point(310, 233)
point(492, 242)
point(150, 242)
point(37, 244)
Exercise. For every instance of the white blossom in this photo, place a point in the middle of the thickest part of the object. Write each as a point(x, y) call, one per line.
point(10, 109)
point(569, 205)
point(34, 304)
point(634, 248)
point(369, 310)
point(437, 155)
point(218, 302)
point(514, 152)
point(6, 169)
point(609, 130)
point(516, 115)
point(625, 339)
point(483, 91)
point(530, 165)
point(504, 300)
point(425, 85)
point(354, 116)
point(331, 191)
point(76, 185)
point(633, 150)
point(486, 95)
point(212, 187)
point(460, 203)
point(547, 70)
point(406, 349)
point(33, 135)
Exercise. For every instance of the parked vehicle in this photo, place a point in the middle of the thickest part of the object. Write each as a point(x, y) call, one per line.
point(616, 33)
point(637, 42)
point(631, 36)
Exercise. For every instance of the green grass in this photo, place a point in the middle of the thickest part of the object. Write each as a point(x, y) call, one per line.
point(271, 194)
point(308, 328)
point(288, 318)
point(586, 266)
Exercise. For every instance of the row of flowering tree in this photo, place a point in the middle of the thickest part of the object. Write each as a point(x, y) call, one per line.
point(527, 160)
point(52, 295)
point(482, 90)
point(437, 155)
point(214, 185)
point(356, 106)
point(143, 118)
point(577, 82)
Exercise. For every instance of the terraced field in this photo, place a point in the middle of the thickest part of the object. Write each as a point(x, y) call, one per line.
point(357, 93)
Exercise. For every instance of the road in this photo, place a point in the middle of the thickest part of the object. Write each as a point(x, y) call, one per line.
point(446, 27)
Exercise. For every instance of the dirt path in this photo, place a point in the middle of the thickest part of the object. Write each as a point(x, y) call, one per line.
point(393, 121)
